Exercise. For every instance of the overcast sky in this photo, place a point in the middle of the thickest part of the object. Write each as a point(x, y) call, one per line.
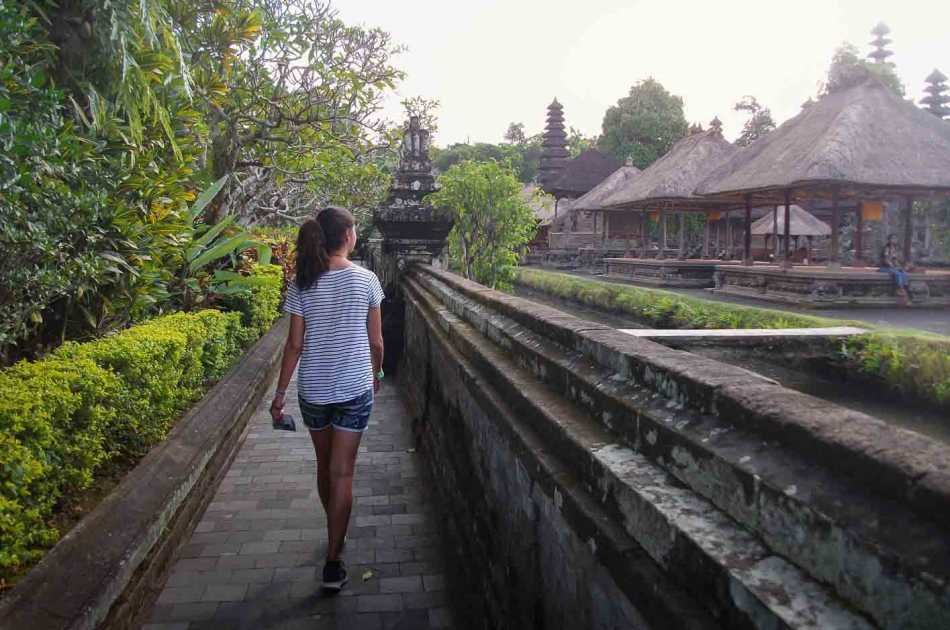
point(492, 62)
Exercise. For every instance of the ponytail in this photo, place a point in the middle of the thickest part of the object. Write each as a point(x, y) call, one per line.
point(317, 239)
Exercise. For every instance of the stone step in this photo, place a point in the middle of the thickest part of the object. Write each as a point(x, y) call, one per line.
point(719, 562)
point(875, 554)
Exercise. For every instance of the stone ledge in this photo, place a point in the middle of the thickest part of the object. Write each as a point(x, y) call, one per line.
point(112, 563)
point(697, 546)
point(774, 490)
point(909, 467)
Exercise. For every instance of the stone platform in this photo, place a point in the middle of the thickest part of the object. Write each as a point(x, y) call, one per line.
point(665, 272)
point(255, 556)
point(820, 287)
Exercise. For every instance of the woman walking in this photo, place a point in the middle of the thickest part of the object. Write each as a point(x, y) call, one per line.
point(336, 334)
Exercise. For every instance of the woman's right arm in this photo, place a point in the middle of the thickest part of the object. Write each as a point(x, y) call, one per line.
point(292, 349)
point(374, 326)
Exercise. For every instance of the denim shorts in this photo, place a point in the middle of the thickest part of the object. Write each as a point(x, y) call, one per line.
point(352, 415)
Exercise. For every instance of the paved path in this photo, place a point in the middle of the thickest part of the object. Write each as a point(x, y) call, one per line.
point(254, 558)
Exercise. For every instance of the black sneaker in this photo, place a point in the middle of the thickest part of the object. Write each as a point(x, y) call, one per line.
point(334, 576)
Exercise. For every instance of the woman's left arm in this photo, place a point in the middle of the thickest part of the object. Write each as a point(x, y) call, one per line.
point(292, 349)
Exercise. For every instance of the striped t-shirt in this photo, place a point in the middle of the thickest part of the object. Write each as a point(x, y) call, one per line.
point(335, 365)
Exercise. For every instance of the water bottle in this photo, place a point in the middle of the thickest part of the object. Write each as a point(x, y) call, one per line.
point(286, 423)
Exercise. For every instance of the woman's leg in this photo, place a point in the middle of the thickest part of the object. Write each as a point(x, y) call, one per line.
point(322, 442)
point(343, 449)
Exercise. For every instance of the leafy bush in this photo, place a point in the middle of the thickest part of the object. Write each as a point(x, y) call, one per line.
point(63, 417)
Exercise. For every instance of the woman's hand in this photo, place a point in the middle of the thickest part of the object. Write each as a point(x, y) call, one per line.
point(277, 407)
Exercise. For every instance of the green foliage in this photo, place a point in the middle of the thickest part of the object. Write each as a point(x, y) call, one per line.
point(259, 299)
point(663, 309)
point(87, 404)
point(577, 142)
point(914, 366)
point(53, 191)
point(522, 156)
point(849, 69)
point(493, 223)
point(644, 124)
point(759, 123)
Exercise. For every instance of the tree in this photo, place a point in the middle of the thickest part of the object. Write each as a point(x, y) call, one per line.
point(515, 134)
point(936, 99)
point(644, 124)
point(577, 142)
point(426, 109)
point(285, 82)
point(493, 222)
point(759, 123)
point(848, 69)
point(880, 42)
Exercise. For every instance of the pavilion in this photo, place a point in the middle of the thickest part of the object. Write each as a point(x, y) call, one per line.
point(863, 144)
point(666, 186)
point(801, 224)
point(572, 230)
point(591, 202)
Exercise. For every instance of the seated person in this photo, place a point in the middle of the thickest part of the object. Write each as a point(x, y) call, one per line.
point(890, 263)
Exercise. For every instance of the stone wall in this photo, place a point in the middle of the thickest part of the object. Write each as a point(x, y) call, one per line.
point(594, 480)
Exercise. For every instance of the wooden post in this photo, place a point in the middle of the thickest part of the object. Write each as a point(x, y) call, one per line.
point(859, 237)
point(834, 261)
point(607, 229)
point(747, 242)
point(644, 235)
point(706, 236)
point(786, 261)
point(908, 261)
point(775, 239)
point(728, 235)
point(682, 252)
point(662, 253)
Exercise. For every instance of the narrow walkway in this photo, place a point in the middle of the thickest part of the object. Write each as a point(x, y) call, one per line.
point(254, 558)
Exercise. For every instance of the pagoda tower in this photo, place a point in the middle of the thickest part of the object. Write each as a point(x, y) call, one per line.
point(554, 151)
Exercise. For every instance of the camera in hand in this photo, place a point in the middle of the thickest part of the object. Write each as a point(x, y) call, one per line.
point(286, 423)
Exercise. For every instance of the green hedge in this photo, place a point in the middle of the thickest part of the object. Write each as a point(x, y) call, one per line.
point(109, 400)
point(913, 365)
point(664, 309)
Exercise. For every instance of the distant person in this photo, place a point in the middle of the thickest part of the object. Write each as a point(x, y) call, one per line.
point(890, 263)
point(336, 334)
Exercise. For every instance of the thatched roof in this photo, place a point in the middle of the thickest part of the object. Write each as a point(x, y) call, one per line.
point(670, 181)
point(594, 198)
point(864, 140)
point(583, 173)
point(800, 223)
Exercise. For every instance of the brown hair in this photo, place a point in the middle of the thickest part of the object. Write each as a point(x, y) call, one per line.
point(316, 239)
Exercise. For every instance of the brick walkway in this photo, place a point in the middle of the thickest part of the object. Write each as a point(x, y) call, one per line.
point(254, 559)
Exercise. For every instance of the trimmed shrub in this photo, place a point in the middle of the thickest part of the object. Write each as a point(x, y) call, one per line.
point(53, 419)
point(664, 309)
point(260, 304)
point(64, 416)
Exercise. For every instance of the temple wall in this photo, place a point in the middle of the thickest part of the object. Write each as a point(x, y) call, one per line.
point(595, 480)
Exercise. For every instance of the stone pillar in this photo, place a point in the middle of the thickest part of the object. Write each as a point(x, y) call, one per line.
point(411, 232)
